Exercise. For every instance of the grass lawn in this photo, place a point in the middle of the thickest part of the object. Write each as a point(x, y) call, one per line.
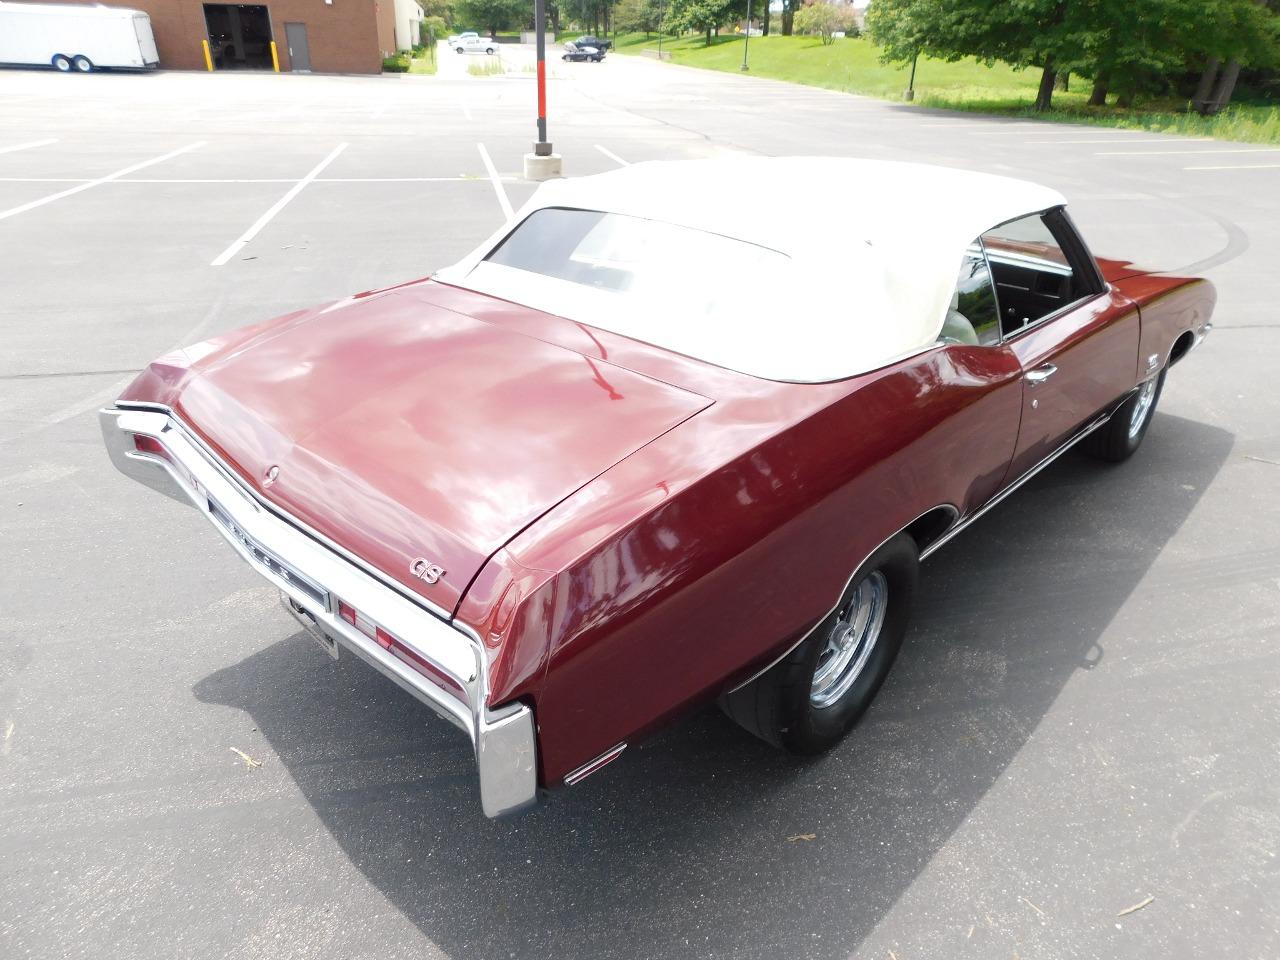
point(853, 66)
point(425, 64)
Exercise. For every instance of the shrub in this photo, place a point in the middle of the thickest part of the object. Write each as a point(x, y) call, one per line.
point(397, 64)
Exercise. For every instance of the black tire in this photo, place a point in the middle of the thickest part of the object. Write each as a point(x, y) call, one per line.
point(82, 64)
point(779, 708)
point(1123, 433)
point(61, 62)
point(457, 50)
point(489, 51)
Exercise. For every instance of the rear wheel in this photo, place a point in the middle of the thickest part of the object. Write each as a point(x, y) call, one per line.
point(1123, 433)
point(489, 50)
point(61, 62)
point(83, 64)
point(809, 701)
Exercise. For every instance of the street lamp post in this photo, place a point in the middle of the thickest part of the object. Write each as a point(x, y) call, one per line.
point(543, 163)
point(542, 148)
point(746, 41)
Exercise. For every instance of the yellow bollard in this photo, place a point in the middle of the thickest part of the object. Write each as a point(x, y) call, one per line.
point(208, 57)
point(275, 57)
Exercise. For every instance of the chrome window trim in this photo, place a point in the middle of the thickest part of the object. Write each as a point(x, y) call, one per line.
point(504, 739)
point(1048, 317)
point(1081, 264)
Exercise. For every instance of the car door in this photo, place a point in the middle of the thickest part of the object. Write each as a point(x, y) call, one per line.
point(1076, 338)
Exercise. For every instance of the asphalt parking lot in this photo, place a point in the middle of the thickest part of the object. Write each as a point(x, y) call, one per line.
point(1085, 715)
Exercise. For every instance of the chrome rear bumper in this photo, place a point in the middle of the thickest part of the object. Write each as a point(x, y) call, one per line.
point(310, 572)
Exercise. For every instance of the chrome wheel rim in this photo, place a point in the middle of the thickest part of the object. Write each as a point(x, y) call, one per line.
point(1142, 409)
point(850, 641)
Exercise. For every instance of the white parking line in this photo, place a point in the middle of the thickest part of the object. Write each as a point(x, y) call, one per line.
point(1240, 166)
point(90, 184)
point(496, 180)
point(1020, 131)
point(613, 156)
point(466, 111)
point(1168, 153)
point(242, 241)
point(406, 179)
point(1127, 142)
point(464, 179)
point(26, 146)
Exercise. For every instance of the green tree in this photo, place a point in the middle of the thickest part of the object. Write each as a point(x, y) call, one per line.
point(700, 15)
point(1128, 44)
point(430, 30)
point(493, 15)
point(1229, 35)
point(823, 19)
point(640, 16)
point(438, 8)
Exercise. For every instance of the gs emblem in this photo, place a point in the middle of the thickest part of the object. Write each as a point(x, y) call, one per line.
point(425, 570)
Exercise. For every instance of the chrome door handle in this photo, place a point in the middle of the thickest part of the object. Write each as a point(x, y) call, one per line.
point(1041, 373)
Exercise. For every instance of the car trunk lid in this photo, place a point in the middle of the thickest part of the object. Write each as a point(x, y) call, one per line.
point(404, 431)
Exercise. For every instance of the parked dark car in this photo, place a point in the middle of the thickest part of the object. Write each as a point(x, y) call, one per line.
point(600, 43)
point(577, 52)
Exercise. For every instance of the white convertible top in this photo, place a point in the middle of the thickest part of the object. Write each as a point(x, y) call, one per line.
point(874, 247)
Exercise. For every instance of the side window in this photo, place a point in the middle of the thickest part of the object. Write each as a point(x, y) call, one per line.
point(973, 317)
point(1032, 274)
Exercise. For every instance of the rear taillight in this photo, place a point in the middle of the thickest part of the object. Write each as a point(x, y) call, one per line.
point(150, 446)
point(395, 646)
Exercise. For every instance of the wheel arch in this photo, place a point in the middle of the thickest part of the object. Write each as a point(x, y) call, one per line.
point(931, 524)
point(1181, 347)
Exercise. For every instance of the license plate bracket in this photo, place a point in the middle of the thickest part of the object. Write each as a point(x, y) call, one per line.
point(304, 617)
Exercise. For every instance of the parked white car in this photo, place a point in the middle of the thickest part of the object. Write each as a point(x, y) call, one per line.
point(474, 43)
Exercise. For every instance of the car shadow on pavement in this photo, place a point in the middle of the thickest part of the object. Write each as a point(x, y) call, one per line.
point(703, 841)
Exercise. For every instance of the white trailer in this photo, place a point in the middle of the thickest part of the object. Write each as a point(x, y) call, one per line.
point(75, 36)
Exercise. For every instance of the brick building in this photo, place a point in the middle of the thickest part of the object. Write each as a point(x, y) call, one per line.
point(323, 36)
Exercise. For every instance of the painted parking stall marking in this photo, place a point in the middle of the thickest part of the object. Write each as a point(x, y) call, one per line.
point(243, 240)
point(26, 146)
point(1238, 166)
point(503, 201)
point(613, 156)
point(1165, 153)
point(90, 184)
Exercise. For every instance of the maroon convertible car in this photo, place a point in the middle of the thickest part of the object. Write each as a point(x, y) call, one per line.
point(651, 446)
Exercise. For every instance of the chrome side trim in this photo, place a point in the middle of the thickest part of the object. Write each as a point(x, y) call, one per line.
point(456, 684)
point(964, 523)
point(954, 530)
point(591, 766)
point(856, 570)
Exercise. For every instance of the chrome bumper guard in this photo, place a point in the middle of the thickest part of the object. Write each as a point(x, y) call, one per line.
point(310, 573)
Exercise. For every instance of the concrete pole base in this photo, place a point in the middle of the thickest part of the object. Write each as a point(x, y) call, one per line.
point(541, 168)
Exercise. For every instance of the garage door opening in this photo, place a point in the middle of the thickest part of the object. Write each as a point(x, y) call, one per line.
point(239, 36)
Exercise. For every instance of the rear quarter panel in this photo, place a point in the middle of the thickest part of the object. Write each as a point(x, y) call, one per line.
point(1169, 307)
point(708, 553)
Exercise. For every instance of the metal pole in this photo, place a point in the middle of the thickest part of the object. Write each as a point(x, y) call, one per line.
point(911, 84)
point(746, 40)
point(542, 148)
